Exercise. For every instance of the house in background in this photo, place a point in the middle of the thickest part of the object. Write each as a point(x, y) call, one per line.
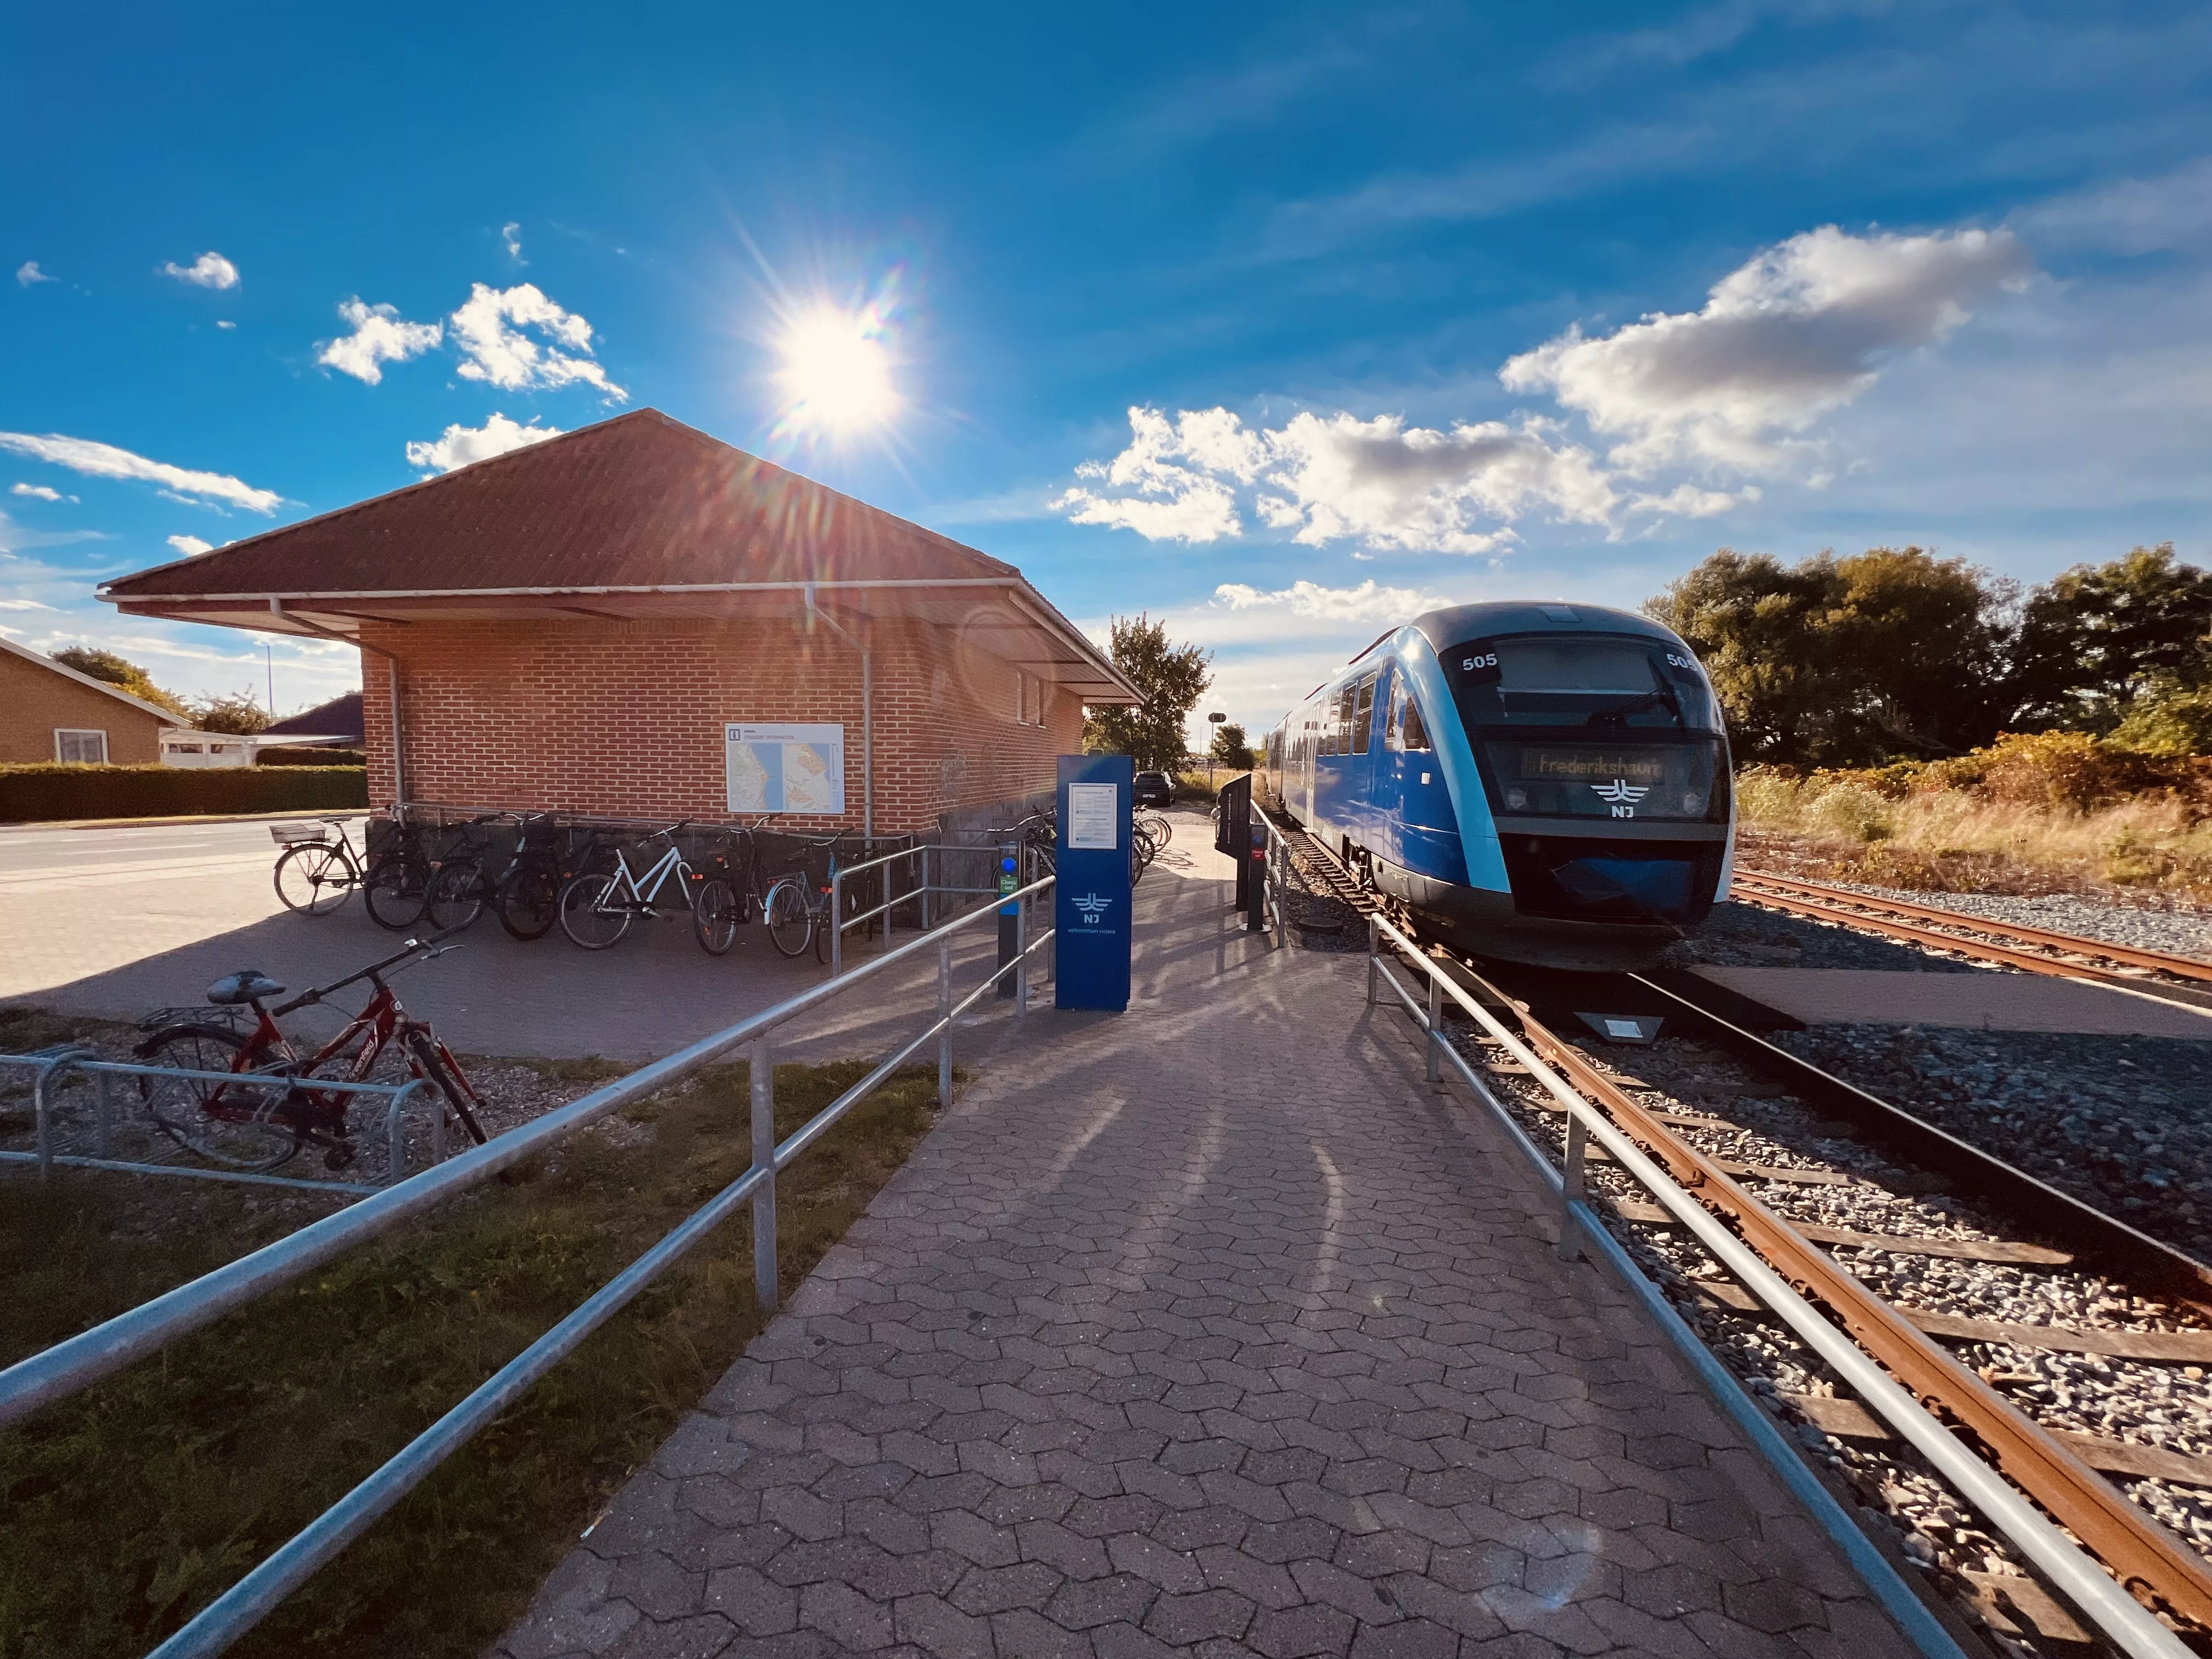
point(49, 712)
point(336, 721)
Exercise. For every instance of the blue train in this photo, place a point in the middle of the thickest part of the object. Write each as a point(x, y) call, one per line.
point(1537, 783)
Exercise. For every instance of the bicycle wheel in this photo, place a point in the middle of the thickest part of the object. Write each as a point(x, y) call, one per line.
point(714, 917)
point(397, 891)
point(240, 1128)
point(313, 878)
point(790, 923)
point(530, 901)
point(456, 893)
point(429, 1062)
point(1159, 829)
point(591, 915)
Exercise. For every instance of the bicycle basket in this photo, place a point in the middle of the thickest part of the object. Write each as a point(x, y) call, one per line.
point(291, 835)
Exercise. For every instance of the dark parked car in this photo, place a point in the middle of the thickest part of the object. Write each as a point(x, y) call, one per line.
point(1152, 789)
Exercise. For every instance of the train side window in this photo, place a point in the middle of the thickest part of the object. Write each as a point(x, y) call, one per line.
point(1345, 705)
point(1416, 733)
point(1363, 715)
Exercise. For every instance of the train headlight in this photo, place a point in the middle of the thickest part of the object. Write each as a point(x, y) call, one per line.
point(1516, 798)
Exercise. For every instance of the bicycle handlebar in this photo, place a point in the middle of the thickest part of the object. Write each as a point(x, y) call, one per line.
point(309, 998)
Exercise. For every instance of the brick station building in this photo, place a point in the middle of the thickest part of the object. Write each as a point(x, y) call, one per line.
point(625, 622)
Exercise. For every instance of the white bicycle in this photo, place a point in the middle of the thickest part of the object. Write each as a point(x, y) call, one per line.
point(598, 906)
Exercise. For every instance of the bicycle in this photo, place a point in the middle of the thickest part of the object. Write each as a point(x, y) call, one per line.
point(316, 870)
point(597, 908)
point(797, 908)
point(459, 889)
point(257, 1128)
point(528, 892)
point(397, 887)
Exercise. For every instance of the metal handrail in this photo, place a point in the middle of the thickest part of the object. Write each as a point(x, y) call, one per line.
point(238, 1609)
point(2131, 1626)
point(921, 894)
point(73, 1364)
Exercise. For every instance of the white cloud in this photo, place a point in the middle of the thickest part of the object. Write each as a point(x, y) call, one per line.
point(23, 605)
point(379, 337)
point(210, 269)
point(2130, 216)
point(460, 445)
point(488, 329)
point(511, 233)
point(220, 323)
point(191, 546)
point(1305, 601)
point(28, 273)
point(1686, 500)
point(98, 460)
point(1797, 334)
point(1378, 481)
point(38, 492)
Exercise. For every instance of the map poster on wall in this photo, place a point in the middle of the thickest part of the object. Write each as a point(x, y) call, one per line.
point(786, 768)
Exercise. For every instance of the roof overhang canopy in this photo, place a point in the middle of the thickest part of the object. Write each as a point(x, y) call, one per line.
point(1003, 616)
point(637, 519)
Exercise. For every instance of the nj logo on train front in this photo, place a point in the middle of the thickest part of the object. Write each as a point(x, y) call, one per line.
point(1622, 794)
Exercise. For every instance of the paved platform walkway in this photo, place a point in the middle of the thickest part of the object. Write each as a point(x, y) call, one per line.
point(1205, 1329)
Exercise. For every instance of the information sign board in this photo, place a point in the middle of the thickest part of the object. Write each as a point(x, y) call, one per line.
point(1090, 899)
point(796, 769)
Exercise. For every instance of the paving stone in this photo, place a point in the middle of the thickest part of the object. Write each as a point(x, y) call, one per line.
point(1207, 1329)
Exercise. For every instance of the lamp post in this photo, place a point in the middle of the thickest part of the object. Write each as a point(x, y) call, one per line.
point(1214, 720)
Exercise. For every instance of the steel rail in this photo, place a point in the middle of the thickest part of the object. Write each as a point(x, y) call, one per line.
point(2136, 956)
point(80, 1360)
point(2147, 1559)
point(1914, 933)
point(2090, 1232)
point(1684, 1189)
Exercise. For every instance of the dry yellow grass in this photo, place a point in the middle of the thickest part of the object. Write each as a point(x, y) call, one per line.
point(1962, 840)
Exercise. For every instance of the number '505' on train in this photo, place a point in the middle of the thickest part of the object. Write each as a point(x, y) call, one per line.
point(1539, 783)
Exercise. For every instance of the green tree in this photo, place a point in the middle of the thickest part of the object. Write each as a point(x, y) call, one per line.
point(1230, 748)
point(1170, 677)
point(1846, 661)
point(237, 713)
point(121, 673)
point(2096, 639)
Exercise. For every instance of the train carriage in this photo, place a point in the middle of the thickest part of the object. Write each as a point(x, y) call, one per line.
point(1539, 783)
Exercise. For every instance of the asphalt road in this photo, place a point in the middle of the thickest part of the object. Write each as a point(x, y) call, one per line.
point(34, 859)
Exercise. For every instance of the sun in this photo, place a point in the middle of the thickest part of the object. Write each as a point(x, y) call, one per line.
point(835, 377)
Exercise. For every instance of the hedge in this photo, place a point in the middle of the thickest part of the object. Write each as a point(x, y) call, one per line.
point(44, 792)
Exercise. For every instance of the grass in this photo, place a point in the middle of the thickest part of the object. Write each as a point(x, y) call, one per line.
point(1947, 839)
point(128, 1507)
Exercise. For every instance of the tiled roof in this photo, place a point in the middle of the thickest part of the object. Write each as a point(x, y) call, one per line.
point(639, 501)
point(339, 717)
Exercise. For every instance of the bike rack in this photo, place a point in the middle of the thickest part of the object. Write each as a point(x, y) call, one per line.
point(52, 1069)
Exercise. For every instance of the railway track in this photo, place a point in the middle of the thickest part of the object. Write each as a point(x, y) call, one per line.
point(2026, 1231)
point(2034, 950)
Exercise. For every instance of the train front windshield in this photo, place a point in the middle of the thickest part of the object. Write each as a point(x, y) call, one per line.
point(1578, 736)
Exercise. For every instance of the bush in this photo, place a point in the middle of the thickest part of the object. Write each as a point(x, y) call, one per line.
point(310, 755)
point(47, 791)
point(1852, 810)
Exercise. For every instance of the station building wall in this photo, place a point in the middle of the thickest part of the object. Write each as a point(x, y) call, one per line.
point(625, 719)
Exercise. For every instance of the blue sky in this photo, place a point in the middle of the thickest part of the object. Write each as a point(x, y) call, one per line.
point(1282, 323)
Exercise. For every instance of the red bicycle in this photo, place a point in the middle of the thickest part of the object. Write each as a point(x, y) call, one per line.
point(258, 1128)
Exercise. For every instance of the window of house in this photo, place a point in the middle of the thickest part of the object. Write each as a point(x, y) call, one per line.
point(80, 748)
point(1363, 715)
point(183, 748)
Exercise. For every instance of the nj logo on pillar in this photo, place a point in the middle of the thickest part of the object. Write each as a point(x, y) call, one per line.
point(1092, 906)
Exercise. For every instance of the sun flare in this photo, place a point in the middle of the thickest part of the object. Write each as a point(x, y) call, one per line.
point(836, 373)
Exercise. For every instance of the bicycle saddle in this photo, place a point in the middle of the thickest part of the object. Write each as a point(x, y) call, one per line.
point(243, 986)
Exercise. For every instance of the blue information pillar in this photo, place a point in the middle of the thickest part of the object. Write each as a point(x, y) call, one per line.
point(1090, 901)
